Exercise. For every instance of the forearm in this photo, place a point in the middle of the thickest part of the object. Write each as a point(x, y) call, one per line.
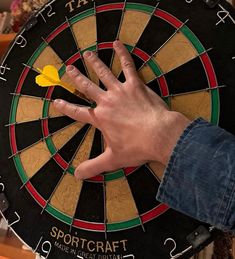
point(200, 177)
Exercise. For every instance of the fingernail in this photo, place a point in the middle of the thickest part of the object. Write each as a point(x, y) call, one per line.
point(87, 54)
point(116, 43)
point(70, 68)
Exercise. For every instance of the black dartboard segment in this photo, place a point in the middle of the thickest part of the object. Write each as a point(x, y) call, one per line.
point(68, 151)
point(91, 205)
point(150, 2)
point(32, 91)
point(55, 124)
point(154, 85)
point(97, 145)
point(64, 51)
point(47, 178)
point(156, 34)
point(28, 133)
point(59, 93)
point(179, 84)
point(106, 56)
point(108, 24)
point(183, 51)
point(143, 175)
point(80, 66)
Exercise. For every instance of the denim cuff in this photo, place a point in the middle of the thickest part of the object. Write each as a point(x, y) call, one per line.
point(199, 179)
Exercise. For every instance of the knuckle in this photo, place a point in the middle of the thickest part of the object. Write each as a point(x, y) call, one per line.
point(67, 106)
point(127, 63)
point(76, 111)
point(104, 72)
point(134, 81)
point(74, 73)
point(106, 100)
point(77, 77)
point(85, 86)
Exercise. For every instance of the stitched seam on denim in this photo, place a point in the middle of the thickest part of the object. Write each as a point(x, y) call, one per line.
point(220, 212)
point(229, 204)
point(175, 154)
point(223, 208)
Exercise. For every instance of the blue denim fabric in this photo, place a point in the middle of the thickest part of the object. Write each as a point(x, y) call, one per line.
point(199, 180)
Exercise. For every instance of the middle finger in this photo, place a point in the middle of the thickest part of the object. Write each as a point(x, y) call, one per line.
point(102, 71)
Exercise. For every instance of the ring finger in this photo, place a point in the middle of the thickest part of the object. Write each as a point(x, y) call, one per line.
point(84, 85)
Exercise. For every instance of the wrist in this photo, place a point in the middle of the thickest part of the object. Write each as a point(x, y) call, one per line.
point(172, 127)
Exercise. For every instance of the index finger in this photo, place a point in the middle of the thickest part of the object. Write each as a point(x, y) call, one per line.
point(126, 60)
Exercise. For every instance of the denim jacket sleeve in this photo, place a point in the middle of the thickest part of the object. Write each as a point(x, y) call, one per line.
point(199, 180)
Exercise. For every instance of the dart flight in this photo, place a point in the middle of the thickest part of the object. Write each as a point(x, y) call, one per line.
point(49, 76)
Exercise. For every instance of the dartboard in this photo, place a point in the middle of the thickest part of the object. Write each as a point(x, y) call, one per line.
point(184, 50)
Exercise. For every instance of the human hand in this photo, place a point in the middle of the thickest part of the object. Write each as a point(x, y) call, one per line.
point(136, 124)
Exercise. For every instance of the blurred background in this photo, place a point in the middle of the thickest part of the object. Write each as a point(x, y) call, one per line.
point(5, 5)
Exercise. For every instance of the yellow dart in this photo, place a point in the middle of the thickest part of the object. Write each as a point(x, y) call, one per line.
point(49, 76)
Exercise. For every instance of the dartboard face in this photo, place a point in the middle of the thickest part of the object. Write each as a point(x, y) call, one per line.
point(183, 50)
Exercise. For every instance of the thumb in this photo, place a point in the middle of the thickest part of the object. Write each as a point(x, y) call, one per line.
point(93, 167)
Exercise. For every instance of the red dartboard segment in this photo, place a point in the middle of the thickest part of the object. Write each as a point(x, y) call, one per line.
point(105, 45)
point(49, 92)
point(98, 178)
point(109, 7)
point(129, 170)
point(57, 157)
point(35, 195)
point(141, 54)
point(163, 86)
point(22, 79)
point(45, 128)
point(57, 31)
point(61, 161)
point(89, 225)
point(13, 139)
point(209, 70)
point(168, 18)
point(101, 178)
point(73, 59)
point(154, 213)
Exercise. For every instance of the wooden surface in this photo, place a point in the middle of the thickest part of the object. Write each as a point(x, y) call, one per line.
point(208, 251)
point(234, 238)
point(5, 40)
point(11, 247)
